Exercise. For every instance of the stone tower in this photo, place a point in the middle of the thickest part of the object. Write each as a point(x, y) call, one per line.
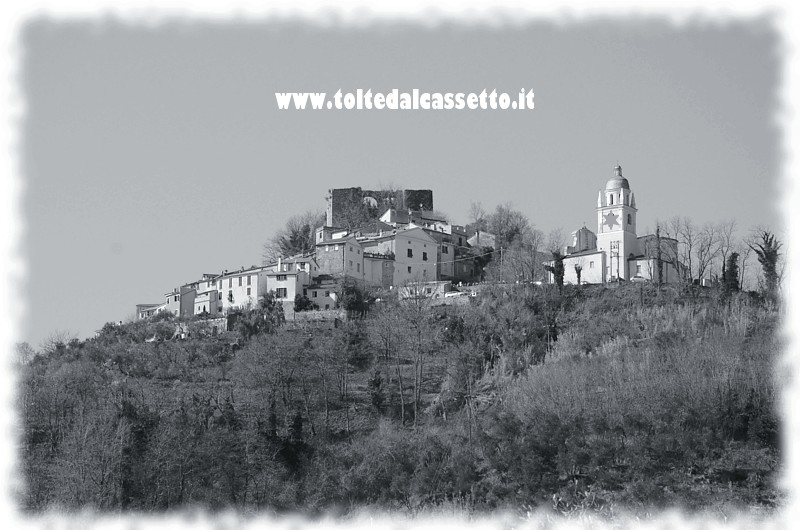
point(616, 225)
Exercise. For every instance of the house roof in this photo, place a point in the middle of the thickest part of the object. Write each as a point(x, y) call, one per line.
point(284, 273)
point(337, 240)
point(374, 227)
point(583, 253)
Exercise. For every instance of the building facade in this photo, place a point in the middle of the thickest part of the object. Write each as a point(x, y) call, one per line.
point(616, 252)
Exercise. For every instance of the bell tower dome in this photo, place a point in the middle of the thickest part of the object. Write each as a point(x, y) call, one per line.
point(616, 225)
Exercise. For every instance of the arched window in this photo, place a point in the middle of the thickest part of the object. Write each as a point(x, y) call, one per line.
point(610, 199)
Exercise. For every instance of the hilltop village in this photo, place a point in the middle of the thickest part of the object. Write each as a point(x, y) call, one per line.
point(394, 241)
point(639, 392)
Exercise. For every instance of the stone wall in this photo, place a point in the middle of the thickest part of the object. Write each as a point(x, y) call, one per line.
point(342, 202)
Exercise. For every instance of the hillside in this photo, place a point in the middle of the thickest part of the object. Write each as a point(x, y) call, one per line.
point(595, 399)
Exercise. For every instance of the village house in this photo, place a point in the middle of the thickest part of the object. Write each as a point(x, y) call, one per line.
point(148, 310)
point(241, 289)
point(414, 253)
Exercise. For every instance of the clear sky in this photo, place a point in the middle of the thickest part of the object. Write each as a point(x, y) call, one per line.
point(153, 155)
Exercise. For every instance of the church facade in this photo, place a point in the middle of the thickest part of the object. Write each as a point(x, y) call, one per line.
point(615, 252)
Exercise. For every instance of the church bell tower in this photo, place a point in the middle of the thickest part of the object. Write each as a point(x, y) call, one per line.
point(616, 225)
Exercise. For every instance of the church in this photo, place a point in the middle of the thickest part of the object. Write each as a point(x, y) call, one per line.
point(615, 252)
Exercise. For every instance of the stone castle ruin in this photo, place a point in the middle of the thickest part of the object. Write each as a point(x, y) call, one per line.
point(348, 207)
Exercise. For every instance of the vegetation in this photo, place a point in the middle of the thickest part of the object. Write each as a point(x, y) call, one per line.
point(593, 399)
point(766, 248)
point(296, 237)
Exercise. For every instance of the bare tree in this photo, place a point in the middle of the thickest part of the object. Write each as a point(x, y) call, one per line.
point(508, 225)
point(578, 270)
point(726, 243)
point(744, 250)
point(682, 256)
point(55, 340)
point(706, 248)
point(295, 237)
point(24, 353)
point(477, 216)
point(531, 255)
point(556, 240)
point(354, 214)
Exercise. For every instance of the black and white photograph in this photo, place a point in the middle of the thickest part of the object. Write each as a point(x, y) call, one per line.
point(380, 265)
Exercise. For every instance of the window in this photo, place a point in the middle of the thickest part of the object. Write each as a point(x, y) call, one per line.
point(358, 267)
point(610, 199)
point(424, 256)
point(248, 279)
point(350, 263)
point(428, 290)
point(351, 249)
point(358, 252)
point(327, 293)
point(409, 270)
point(280, 278)
point(230, 296)
point(248, 291)
point(230, 282)
point(424, 272)
point(280, 292)
point(591, 264)
point(445, 250)
point(410, 253)
point(240, 281)
point(313, 294)
point(305, 292)
point(327, 248)
point(176, 298)
point(629, 218)
point(327, 306)
point(638, 269)
point(335, 247)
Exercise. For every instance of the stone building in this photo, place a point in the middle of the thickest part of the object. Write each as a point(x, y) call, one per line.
point(616, 252)
point(350, 207)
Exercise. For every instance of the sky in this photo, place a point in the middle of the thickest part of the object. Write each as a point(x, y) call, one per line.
point(153, 154)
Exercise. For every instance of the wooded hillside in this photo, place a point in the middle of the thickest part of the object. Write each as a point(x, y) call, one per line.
point(590, 399)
